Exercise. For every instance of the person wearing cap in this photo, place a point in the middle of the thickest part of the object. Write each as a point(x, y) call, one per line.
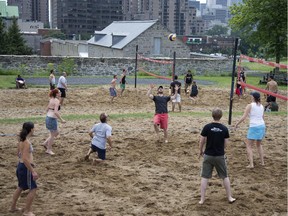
point(161, 110)
point(100, 133)
point(256, 131)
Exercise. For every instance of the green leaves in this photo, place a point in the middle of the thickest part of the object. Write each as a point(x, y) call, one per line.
point(262, 22)
point(11, 41)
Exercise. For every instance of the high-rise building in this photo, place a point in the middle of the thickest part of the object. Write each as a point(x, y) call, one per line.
point(32, 10)
point(195, 4)
point(174, 14)
point(84, 16)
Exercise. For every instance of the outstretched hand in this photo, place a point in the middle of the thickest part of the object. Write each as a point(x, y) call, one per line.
point(152, 86)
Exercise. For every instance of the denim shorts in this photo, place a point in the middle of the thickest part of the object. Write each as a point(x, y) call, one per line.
point(101, 152)
point(113, 92)
point(51, 123)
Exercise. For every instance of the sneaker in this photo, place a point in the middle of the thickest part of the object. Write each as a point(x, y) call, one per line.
point(166, 141)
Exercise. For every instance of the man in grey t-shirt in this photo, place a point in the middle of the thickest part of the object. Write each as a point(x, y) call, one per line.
point(100, 133)
point(62, 86)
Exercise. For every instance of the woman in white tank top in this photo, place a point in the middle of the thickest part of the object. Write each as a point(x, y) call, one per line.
point(256, 131)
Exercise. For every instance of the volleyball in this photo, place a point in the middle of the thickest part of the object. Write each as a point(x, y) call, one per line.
point(172, 37)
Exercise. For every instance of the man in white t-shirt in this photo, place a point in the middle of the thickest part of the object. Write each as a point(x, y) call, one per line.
point(100, 133)
point(62, 86)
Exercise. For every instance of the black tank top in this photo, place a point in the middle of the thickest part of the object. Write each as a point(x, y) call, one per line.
point(189, 78)
point(123, 81)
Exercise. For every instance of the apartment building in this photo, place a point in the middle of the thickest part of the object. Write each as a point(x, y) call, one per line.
point(75, 17)
point(176, 15)
point(32, 10)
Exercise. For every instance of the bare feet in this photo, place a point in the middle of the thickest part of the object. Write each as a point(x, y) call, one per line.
point(201, 202)
point(28, 214)
point(16, 210)
point(86, 158)
point(231, 200)
point(50, 152)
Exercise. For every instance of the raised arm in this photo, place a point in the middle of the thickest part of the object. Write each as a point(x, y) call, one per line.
point(149, 93)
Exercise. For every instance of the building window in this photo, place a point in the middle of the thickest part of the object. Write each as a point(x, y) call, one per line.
point(157, 46)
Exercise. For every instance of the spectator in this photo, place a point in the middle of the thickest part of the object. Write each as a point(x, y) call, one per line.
point(20, 82)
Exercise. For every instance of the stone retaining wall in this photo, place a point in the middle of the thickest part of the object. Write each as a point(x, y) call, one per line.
point(29, 65)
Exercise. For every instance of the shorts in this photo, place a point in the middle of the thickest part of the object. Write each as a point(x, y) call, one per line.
point(51, 123)
point(101, 152)
point(161, 119)
point(270, 98)
point(256, 133)
point(25, 178)
point(177, 99)
point(187, 85)
point(193, 94)
point(122, 86)
point(63, 92)
point(52, 86)
point(113, 92)
point(210, 162)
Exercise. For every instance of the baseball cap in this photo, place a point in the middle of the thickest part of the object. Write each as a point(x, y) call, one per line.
point(255, 94)
point(160, 87)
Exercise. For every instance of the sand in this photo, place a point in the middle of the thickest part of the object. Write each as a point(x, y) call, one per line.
point(140, 175)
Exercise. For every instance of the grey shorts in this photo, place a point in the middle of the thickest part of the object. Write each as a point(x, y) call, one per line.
point(51, 123)
point(209, 162)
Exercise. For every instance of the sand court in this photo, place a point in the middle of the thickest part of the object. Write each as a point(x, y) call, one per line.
point(141, 176)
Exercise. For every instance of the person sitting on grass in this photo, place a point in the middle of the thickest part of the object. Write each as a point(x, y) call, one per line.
point(20, 82)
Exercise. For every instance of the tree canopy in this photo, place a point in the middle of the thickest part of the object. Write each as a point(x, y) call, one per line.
point(217, 30)
point(11, 41)
point(263, 23)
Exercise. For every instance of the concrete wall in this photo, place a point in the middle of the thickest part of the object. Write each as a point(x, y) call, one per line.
point(29, 65)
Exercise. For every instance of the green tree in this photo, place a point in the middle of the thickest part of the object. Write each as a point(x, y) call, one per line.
point(55, 34)
point(217, 30)
point(68, 65)
point(2, 37)
point(263, 23)
point(15, 42)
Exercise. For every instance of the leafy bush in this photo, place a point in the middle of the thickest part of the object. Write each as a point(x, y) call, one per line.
point(68, 65)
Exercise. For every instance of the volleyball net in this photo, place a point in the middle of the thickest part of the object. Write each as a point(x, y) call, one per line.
point(164, 62)
point(260, 61)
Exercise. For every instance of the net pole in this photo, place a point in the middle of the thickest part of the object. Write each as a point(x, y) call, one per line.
point(173, 67)
point(233, 81)
point(136, 60)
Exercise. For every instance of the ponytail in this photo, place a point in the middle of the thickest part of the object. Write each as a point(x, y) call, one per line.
point(26, 129)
